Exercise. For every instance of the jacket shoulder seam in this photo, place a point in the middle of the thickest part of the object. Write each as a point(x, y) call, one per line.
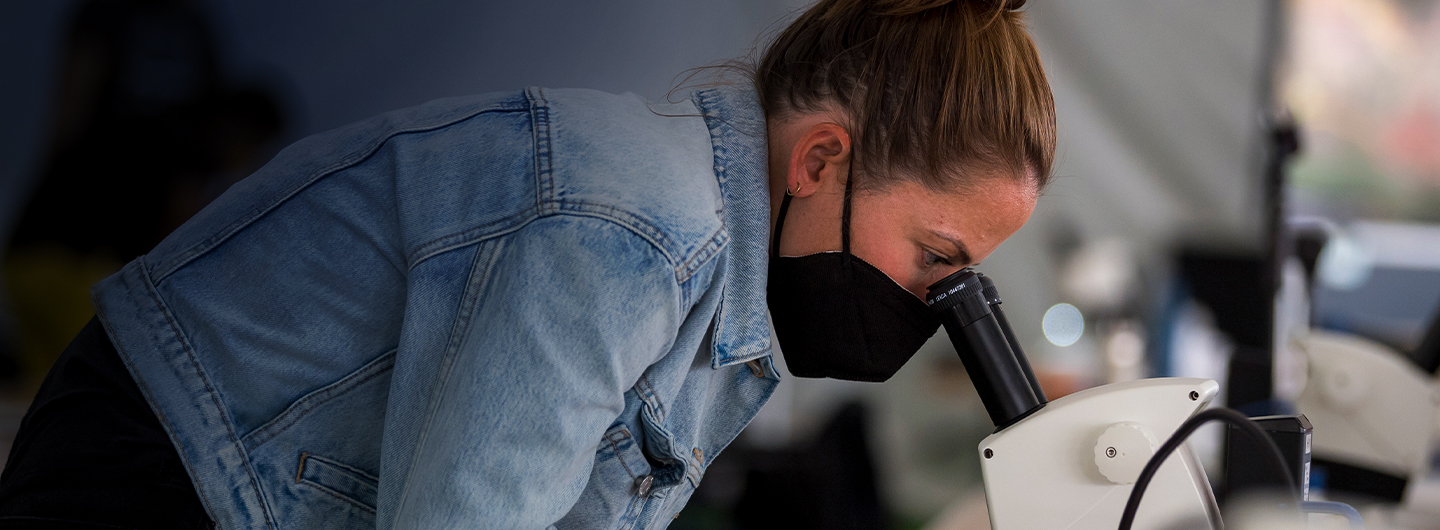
point(161, 272)
point(683, 265)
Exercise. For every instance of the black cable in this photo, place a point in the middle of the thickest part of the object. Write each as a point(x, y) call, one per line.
point(1127, 519)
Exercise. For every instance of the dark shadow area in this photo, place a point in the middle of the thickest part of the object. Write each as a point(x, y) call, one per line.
point(826, 483)
point(145, 131)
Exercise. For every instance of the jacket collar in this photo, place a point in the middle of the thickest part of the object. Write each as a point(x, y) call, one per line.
point(737, 134)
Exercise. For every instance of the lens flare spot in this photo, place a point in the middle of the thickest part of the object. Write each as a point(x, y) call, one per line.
point(1063, 324)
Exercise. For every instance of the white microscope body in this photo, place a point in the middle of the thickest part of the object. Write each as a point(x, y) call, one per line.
point(1371, 407)
point(1072, 464)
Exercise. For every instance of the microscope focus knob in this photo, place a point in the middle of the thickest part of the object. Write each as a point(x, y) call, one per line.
point(1123, 450)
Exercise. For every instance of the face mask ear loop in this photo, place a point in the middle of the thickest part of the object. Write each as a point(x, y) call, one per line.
point(845, 220)
point(780, 225)
point(845, 259)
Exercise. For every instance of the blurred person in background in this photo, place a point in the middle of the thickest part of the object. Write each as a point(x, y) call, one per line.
point(543, 307)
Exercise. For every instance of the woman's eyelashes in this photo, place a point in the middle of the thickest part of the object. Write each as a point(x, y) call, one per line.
point(930, 259)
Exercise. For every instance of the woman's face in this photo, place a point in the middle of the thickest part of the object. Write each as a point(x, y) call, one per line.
point(915, 235)
point(918, 236)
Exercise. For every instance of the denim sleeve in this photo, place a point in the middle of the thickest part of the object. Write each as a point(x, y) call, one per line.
point(571, 310)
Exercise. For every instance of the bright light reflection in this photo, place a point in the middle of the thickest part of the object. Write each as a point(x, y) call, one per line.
point(1063, 324)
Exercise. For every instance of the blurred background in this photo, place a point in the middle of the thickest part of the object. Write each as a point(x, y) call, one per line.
point(1234, 178)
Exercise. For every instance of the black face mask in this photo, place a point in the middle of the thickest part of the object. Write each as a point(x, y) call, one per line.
point(839, 317)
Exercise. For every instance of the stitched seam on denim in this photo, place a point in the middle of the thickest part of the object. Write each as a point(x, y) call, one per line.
point(616, 448)
point(631, 516)
point(322, 489)
point(545, 177)
point(485, 257)
point(468, 236)
point(540, 122)
point(702, 256)
point(747, 358)
point(578, 208)
point(320, 396)
point(357, 474)
point(717, 138)
point(583, 212)
point(636, 224)
point(693, 474)
point(210, 390)
point(347, 467)
point(699, 468)
point(633, 222)
point(722, 133)
point(651, 397)
point(159, 414)
point(535, 135)
point(718, 131)
point(521, 220)
point(269, 204)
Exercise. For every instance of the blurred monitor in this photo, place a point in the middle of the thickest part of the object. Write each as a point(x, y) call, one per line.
point(1380, 280)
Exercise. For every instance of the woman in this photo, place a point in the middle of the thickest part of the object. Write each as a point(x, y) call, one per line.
point(545, 307)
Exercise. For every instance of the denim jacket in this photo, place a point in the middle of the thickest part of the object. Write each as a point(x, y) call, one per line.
point(519, 310)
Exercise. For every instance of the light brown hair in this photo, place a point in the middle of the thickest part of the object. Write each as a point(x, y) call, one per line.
point(938, 92)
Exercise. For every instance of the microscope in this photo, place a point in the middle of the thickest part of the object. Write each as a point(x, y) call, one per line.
point(1082, 461)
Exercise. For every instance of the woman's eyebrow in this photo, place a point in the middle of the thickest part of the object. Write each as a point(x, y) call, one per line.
point(961, 252)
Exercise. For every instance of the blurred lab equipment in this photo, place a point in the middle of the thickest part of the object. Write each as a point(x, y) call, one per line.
point(1374, 407)
point(1091, 455)
point(1373, 410)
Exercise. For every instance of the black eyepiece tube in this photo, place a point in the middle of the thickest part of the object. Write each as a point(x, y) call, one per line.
point(992, 297)
point(1003, 379)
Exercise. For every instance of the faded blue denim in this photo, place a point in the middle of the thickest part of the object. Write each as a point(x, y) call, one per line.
point(513, 310)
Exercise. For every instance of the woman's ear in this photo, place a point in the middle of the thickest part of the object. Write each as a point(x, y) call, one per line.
point(818, 160)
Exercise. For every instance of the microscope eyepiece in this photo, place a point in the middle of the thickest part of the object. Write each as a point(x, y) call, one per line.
point(968, 305)
point(959, 297)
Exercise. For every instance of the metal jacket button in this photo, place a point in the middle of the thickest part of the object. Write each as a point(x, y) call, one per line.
point(642, 485)
point(755, 368)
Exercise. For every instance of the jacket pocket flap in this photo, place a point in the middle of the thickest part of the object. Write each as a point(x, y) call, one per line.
point(619, 445)
point(345, 482)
